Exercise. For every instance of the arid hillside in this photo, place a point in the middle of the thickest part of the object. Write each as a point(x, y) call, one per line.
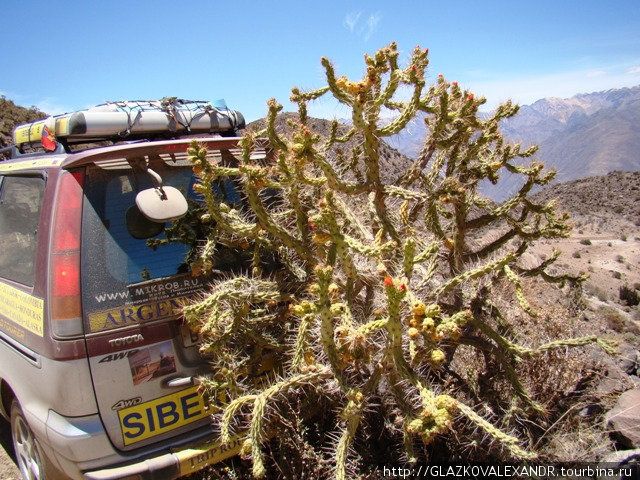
point(12, 115)
point(605, 242)
point(393, 163)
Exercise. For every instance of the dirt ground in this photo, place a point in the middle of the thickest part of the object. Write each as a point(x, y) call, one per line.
point(8, 469)
point(608, 251)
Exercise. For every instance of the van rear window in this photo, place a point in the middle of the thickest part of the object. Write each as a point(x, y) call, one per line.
point(116, 251)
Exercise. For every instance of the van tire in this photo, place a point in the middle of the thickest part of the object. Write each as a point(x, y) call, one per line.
point(30, 459)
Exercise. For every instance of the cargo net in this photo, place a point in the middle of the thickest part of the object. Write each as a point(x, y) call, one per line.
point(183, 112)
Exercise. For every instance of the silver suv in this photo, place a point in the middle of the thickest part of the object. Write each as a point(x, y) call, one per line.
point(97, 372)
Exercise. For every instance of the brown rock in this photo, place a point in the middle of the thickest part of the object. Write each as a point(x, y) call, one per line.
point(624, 419)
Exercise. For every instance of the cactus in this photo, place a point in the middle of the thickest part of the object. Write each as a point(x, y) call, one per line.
point(364, 288)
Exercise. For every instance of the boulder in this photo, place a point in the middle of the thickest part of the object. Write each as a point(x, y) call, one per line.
point(628, 359)
point(624, 419)
point(613, 379)
point(626, 460)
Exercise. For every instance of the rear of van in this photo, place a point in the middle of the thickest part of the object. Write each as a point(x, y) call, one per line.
point(120, 280)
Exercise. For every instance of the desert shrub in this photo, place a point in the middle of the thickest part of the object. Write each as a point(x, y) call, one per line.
point(618, 321)
point(597, 292)
point(585, 241)
point(576, 254)
point(623, 237)
point(613, 318)
point(619, 259)
point(629, 295)
point(370, 291)
point(617, 275)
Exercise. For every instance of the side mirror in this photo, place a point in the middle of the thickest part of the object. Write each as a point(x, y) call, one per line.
point(162, 203)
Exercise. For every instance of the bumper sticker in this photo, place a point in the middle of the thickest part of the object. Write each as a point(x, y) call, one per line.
point(154, 362)
point(162, 415)
point(22, 309)
point(133, 315)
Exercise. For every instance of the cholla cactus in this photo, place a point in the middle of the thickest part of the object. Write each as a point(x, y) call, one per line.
point(363, 287)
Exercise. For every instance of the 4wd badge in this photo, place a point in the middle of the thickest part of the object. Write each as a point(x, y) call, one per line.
point(127, 403)
point(117, 356)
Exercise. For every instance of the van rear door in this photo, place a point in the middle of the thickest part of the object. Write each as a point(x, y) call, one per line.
point(134, 281)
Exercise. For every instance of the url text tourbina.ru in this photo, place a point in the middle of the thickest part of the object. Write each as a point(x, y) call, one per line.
point(505, 471)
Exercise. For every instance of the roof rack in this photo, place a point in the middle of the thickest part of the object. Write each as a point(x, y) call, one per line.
point(169, 117)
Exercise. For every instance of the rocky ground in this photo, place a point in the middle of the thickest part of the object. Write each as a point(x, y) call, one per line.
point(8, 469)
point(605, 244)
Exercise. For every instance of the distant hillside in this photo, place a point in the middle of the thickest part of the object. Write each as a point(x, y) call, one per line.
point(12, 115)
point(582, 136)
point(605, 241)
point(616, 194)
point(393, 163)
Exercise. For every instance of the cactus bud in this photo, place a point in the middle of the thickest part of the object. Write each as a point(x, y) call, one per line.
point(196, 270)
point(419, 308)
point(388, 281)
point(342, 331)
point(428, 325)
point(437, 357)
point(413, 333)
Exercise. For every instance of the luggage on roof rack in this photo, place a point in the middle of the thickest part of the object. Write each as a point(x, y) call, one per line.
point(130, 120)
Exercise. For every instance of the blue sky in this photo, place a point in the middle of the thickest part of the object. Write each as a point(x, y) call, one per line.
point(65, 56)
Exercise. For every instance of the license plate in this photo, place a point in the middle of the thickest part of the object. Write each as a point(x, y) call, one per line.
point(196, 458)
point(162, 415)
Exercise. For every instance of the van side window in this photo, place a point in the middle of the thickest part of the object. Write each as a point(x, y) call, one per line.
point(20, 202)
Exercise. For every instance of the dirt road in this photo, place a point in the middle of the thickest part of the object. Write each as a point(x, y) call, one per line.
point(8, 469)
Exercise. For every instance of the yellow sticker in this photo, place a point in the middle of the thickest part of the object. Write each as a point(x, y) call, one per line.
point(28, 164)
point(31, 132)
point(198, 457)
point(22, 309)
point(62, 125)
point(162, 415)
point(134, 314)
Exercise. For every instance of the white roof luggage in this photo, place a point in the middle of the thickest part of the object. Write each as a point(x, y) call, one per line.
point(130, 120)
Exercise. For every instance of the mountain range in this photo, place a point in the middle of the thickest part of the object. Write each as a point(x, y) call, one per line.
point(582, 136)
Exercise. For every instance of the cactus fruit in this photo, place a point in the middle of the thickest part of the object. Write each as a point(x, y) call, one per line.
point(363, 288)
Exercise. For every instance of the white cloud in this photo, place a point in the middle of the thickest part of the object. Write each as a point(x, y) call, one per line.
point(526, 89)
point(372, 24)
point(52, 107)
point(634, 70)
point(351, 19)
point(365, 28)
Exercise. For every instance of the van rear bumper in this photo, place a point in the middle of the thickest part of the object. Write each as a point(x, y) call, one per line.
point(82, 449)
point(174, 464)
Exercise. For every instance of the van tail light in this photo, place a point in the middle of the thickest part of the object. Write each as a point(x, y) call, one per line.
point(64, 265)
